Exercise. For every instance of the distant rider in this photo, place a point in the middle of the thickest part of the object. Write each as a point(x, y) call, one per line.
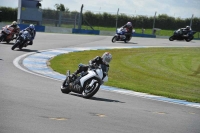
point(129, 29)
point(185, 31)
point(99, 61)
point(16, 28)
point(31, 30)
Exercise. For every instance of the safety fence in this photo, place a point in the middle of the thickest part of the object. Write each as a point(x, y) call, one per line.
point(53, 29)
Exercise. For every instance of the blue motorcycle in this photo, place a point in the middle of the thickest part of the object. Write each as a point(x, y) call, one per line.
point(120, 35)
point(22, 40)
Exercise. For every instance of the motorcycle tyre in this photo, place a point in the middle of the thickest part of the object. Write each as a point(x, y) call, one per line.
point(125, 41)
point(114, 39)
point(20, 47)
point(64, 88)
point(189, 39)
point(171, 38)
point(7, 41)
point(1, 37)
point(15, 45)
point(93, 91)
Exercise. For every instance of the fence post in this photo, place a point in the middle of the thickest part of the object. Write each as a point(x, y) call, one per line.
point(60, 17)
point(117, 18)
point(80, 18)
point(154, 24)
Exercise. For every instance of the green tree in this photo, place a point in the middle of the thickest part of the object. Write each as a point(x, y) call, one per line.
point(60, 7)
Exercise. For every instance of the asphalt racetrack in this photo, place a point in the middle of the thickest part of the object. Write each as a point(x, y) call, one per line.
point(35, 104)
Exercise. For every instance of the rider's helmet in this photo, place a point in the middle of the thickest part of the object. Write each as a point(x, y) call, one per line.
point(106, 58)
point(31, 27)
point(187, 27)
point(129, 24)
point(14, 24)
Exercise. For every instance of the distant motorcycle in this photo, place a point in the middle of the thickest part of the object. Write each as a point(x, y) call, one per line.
point(22, 40)
point(90, 82)
point(182, 35)
point(120, 35)
point(7, 34)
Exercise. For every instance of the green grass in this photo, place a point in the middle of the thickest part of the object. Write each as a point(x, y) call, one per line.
point(169, 72)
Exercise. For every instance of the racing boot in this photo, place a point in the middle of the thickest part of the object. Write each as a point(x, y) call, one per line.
point(30, 43)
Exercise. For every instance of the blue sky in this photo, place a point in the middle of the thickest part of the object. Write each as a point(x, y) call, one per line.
point(175, 8)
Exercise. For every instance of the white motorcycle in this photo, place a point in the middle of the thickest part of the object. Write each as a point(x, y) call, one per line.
point(89, 82)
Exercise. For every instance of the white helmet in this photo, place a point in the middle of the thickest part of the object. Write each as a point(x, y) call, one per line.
point(106, 58)
point(14, 23)
point(129, 24)
point(187, 27)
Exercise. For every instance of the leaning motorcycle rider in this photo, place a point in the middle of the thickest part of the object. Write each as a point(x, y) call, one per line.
point(31, 30)
point(185, 31)
point(129, 29)
point(99, 61)
point(16, 28)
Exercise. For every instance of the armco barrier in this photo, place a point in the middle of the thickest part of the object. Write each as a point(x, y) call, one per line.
point(143, 35)
point(51, 29)
point(37, 27)
point(107, 33)
point(82, 31)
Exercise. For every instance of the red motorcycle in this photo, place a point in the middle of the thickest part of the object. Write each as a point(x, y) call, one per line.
point(7, 34)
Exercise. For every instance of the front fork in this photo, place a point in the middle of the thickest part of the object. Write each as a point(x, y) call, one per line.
point(92, 82)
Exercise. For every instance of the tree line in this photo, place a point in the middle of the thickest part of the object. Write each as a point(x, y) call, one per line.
point(162, 21)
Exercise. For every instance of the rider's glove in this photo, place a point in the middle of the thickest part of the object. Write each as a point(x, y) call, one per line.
point(92, 66)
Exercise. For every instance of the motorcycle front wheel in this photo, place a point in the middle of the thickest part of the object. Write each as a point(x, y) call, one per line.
point(65, 88)
point(171, 38)
point(20, 47)
point(15, 45)
point(1, 37)
point(114, 39)
point(88, 91)
point(125, 41)
point(7, 41)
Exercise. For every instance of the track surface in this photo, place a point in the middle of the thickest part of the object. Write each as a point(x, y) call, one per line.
point(30, 103)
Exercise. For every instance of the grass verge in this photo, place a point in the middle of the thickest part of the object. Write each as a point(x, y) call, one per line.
point(169, 72)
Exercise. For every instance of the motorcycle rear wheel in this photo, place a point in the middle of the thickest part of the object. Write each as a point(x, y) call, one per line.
point(189, 39)
point(88, 91)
